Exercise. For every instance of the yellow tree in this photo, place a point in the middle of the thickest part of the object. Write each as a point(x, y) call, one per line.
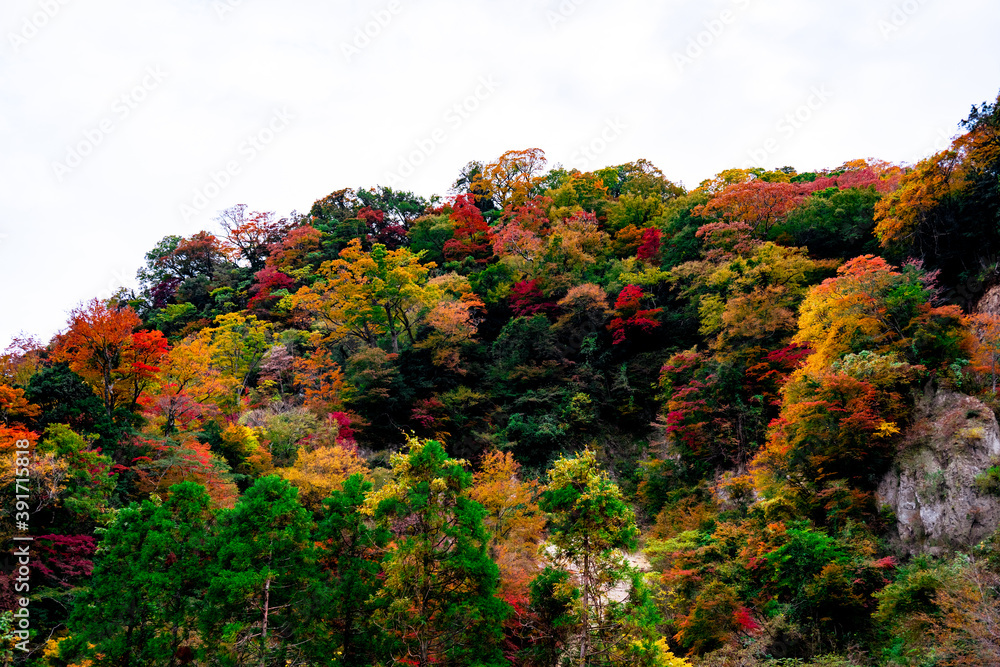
point(237, 344)
point(368, 295)
point(900, 214)
point(189, 388)
point(318, 472)
point(513, 520)
point(510, 178)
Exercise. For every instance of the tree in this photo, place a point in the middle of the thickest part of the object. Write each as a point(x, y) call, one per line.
point(630, 317)
point(437, 599)
point(365, 295)
point(870, 305)
point(190, 387)
point(250, 234)
point(389, 214)
point(101, 347)
point(164, 555)
point(13, 405)
point(589, 520)
point(986, 351)
point(237, 344)
point(470, 235)
point(757, 203)
point(183, 269)
point(350, 554)
point(321, 471)
point(513, 520)
point(258, 598)
point(510, 178)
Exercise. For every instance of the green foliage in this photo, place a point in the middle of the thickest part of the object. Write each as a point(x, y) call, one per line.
point(349, 561)
point(437, 599)
point(988, 481)
point(164, 553)
point(258, 596)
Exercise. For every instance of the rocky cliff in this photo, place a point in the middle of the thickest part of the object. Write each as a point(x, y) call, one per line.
point(931, 487)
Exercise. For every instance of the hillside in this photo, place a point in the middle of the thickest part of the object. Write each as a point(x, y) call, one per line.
point(399, 431)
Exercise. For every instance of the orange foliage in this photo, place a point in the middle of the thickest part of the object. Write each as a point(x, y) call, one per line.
point(509, 179)
point(318, 472)
point(101, 347)
point(190, 461)
point(512, 520)
point(321, 380)
point(756, 203)
point(900, 213)
point(13, 405)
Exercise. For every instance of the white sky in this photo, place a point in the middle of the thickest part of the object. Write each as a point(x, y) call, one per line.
point(886, 78)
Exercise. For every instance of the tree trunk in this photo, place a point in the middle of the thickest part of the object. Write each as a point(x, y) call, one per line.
point(585, 584)
point(263, 632)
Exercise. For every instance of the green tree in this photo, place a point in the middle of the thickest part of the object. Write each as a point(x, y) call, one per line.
point(351, 550)
point(590, 523)
point(437, 601)
point(258, 597)
point(148, 584)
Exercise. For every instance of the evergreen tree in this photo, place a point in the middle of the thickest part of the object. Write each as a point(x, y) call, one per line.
point(437, 601)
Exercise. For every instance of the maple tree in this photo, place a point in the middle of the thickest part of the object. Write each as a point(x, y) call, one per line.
point(237, 345)
point(317, 473)
point(365, 295)
point(250, 234)
point(509, 180)
point(757, 203)
point(13, 405)
point(470, 236)
point(513, 520)
point(103, 348)
point(630, 317)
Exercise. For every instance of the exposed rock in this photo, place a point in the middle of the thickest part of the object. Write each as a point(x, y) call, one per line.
point(989, 303)
point(931, 487)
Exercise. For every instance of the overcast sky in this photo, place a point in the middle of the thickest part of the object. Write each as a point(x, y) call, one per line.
point(122, 121)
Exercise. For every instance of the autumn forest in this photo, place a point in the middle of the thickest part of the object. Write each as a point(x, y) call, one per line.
point(553, 418)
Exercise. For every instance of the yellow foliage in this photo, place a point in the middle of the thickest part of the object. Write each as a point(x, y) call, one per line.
point(512, 519)
point(318, 472)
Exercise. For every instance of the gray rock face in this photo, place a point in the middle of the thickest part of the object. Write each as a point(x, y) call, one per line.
point(931, 487)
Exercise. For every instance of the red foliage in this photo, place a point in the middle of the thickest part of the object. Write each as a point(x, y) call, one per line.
point(63, 558)
point(527, 299)
point(390, 234)
point(649, 247)
point(471, 238)
point(631, 318)
point(267, 281)
point(743, 621)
